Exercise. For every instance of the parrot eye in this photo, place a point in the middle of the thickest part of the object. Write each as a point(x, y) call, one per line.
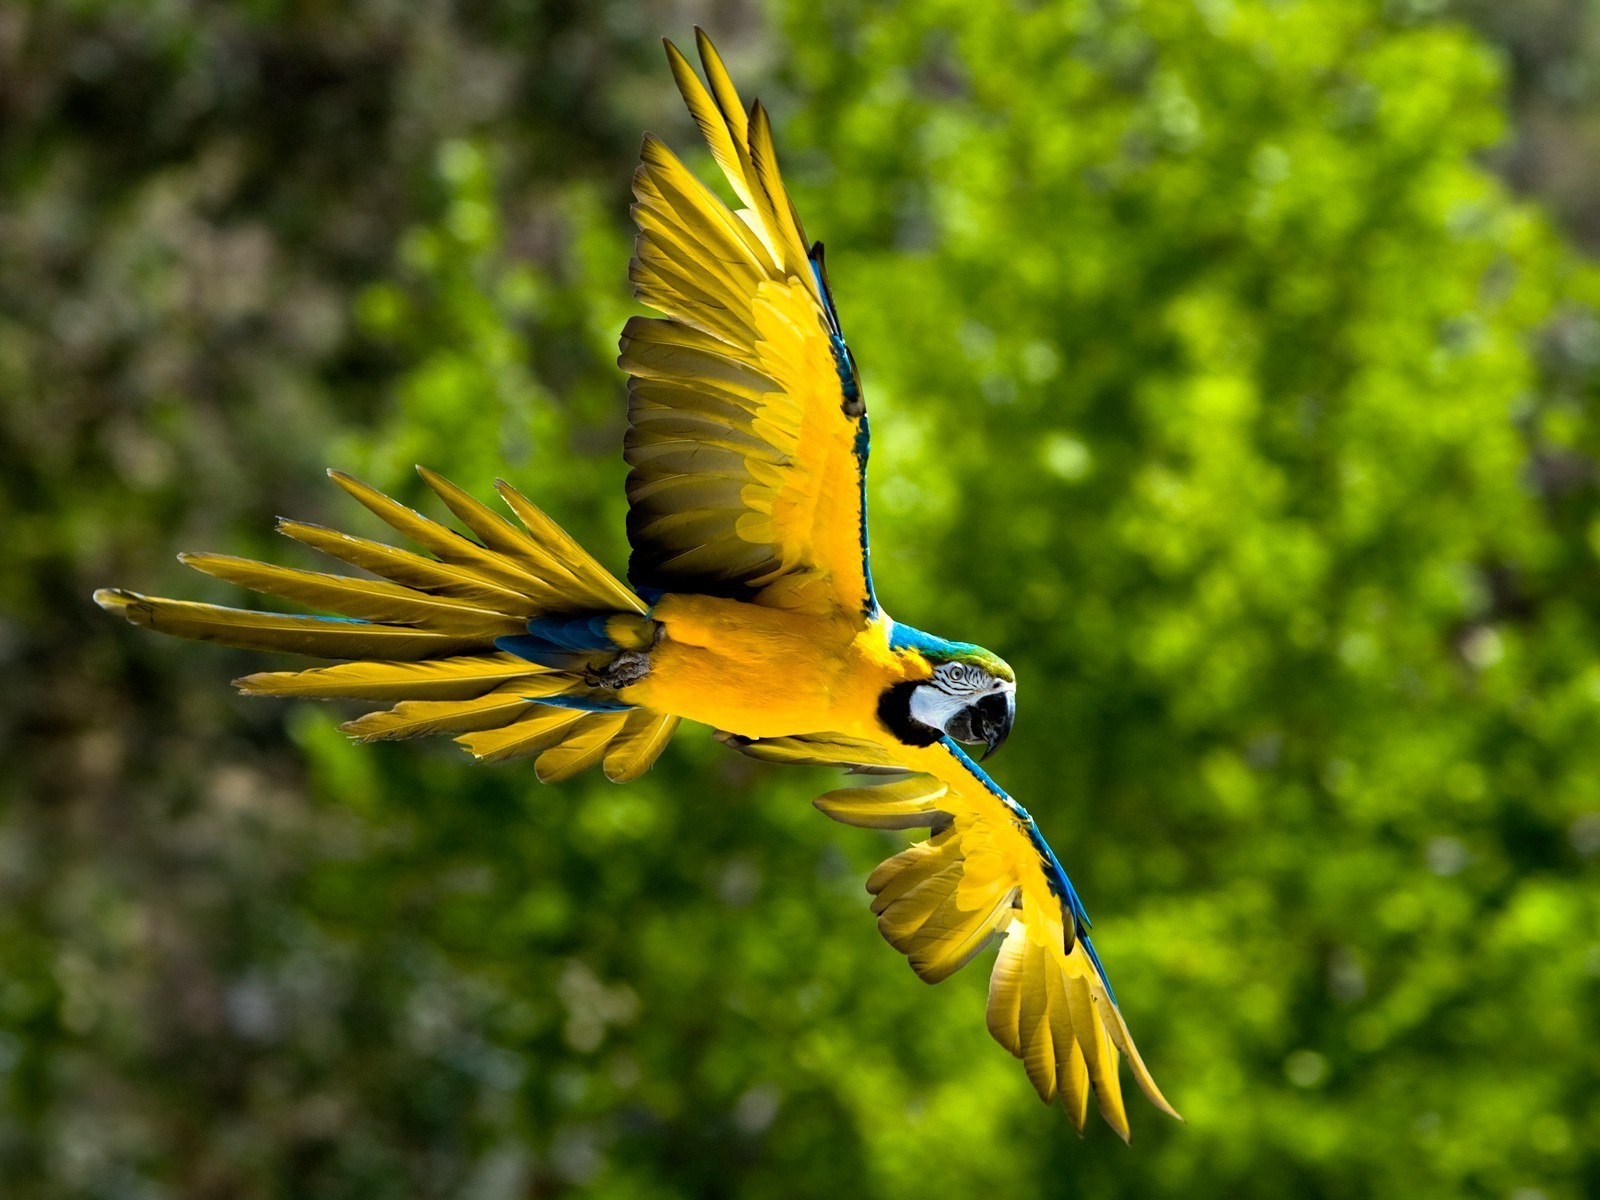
point(962, 678)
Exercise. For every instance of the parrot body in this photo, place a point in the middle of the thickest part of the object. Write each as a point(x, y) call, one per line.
point(748, 607)
point(763, 672)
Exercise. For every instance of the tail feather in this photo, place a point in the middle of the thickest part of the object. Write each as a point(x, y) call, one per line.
point(461, 678)
point(607, 590)
point(418, 718)
point(446, 544)
point(537, 731)
point(431, 635)
point(551, 578)
point(365, 599)
point(643, 736)
point(581, 749)
point(403, 567)
point(320, 637)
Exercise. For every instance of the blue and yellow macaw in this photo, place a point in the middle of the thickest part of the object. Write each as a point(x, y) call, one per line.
point(749, 607)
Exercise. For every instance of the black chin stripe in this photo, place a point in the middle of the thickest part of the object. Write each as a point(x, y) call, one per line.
point(894, 711)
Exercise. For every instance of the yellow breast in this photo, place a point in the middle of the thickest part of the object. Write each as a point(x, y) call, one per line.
point(764, 672)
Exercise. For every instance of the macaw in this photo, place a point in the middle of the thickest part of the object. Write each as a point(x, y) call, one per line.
point(749, 607)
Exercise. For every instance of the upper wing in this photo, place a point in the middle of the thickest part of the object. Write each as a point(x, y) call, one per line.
point(747, 431)
point(985, 872)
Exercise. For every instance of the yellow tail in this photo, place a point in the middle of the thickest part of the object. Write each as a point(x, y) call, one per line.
point(424, 635)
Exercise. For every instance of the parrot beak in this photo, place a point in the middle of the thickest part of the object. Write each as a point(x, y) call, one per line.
point(996, 716)
point(987, 721)
point(992, 718)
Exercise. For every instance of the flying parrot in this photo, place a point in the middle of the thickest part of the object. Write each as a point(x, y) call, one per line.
point(748, 607)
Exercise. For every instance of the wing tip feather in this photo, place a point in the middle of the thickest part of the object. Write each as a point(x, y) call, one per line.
point(115, 600)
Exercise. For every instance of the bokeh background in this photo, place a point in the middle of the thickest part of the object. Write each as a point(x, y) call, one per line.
point(1235, 367)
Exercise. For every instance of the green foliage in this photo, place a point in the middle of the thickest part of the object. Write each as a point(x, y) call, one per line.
point(1215, 385)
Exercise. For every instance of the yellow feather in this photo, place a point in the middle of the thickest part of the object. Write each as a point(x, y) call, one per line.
point(818, 749)
point(986, 870)
point(633, 750)
point(581, 749)
point(320, 637)
point(664, 350)
point(939, 901)
point(930, 901)
point(1100, 1058)
point(762, 218)
point(720, 447)
point(902, 918)
point(1110, 1100)
point(1033, 1024)
point(721, 85)
point(939, 950)
point(1118, 1029)
point(688, 463)
point(428, 628)
point(461, 678)
point(732, 108)
point(541, 728)
point(499, 535)
point(713, 126)
point(418, 718)
point(665, 184)
point(733, 280)
point(1072, 1073)
point(424, 574)
point(603, 587)
point(687, 293)
point(912, 867)
point(366, 599)
point(567, 577)
point(900, 804)
point(445, 543)
point(746, 346)
point(741, 172)
point(665, 410)
point(786, 225)
point(1004, 1012)
point(688, 491)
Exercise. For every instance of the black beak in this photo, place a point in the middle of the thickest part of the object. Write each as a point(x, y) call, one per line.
point(988, 721)
point(994, 716)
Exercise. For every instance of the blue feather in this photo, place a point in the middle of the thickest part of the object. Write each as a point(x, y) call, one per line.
point(573, 633)
point(538, 650)
point(904, 637)
point(582, 703)
point(560, 643)
point(844, 365)
point(863, 445)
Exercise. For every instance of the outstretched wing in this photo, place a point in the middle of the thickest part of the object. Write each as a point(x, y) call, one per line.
point(984, 873)
point(747, 430)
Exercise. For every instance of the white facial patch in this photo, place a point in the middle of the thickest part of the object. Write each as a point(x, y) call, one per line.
point(935, 708)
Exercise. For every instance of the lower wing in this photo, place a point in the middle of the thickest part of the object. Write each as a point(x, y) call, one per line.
point(984, 873)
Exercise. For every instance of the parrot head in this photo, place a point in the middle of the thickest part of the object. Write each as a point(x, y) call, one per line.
point(969, 694)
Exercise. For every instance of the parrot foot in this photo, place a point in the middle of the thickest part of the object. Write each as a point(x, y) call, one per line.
point(626, 668)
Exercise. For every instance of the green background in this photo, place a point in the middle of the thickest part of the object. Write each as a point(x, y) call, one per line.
point(1220, 383)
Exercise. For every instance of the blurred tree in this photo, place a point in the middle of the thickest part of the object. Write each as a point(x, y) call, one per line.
point(1551, 49)
point(1215, 385)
